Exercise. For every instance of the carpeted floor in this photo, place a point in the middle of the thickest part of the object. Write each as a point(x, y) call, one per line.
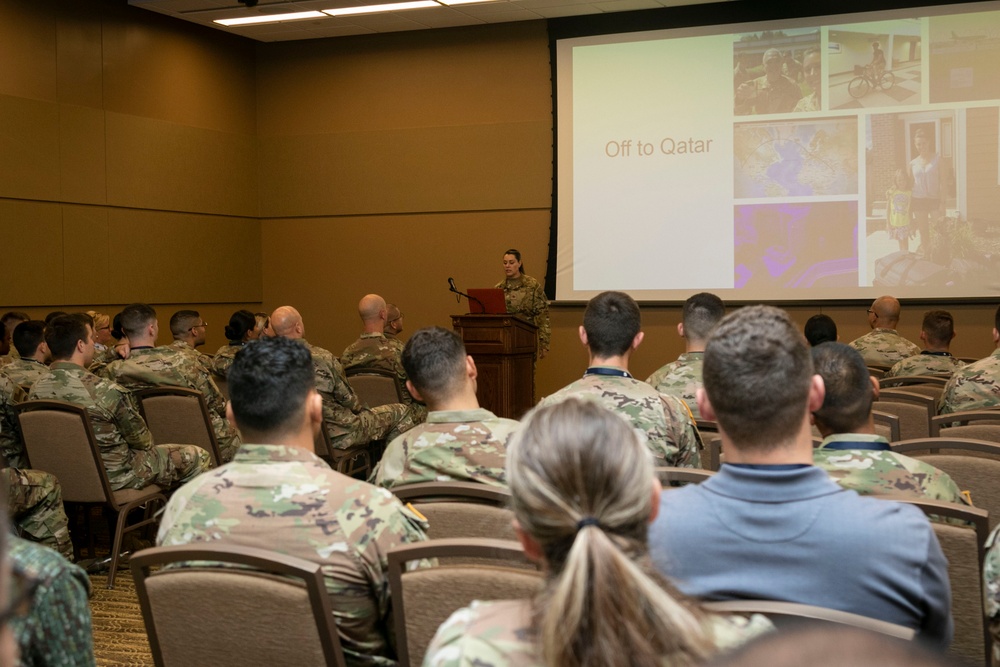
point(119, 633)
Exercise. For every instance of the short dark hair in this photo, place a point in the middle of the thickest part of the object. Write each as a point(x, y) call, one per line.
point(268, 385)
point(849, 393)
point(54, 314)
point(182, 321)
point(757, 373)
point(240, 323)
point(611, 320)
point(28, 336)
point(86, 318)
point(821, 329)
point(939, 326)
point(701, 313)
point(135, 317)
point(12, 316)
point(62, 335)
point(434, 361)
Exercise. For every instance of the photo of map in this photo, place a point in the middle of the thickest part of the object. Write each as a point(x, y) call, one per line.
point(795, 159)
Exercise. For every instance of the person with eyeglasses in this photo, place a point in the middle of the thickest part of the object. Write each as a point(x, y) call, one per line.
point(393, 322)
point(883, 346)
point(188, 329)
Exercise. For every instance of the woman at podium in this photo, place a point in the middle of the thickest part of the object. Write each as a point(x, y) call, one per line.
point(524, 296)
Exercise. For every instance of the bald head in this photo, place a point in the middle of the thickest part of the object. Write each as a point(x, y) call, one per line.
point(287, 323)
point(885, 312)
point(373, 313)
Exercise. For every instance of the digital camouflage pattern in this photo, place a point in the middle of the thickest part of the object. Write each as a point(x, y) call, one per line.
point(974, 387)
point(204, 359)
point(171, 366)
point(452, 446)
point(56, 628)
point(501, 634)
point(288, 500)
point(375, 350)
point(223, 359)
point(663, 422)
point(347, 421)
point(681, 378)
point(525, 296)
point(34, 500)
point(925, 364)
point(25, 372)
point(884, 347)
point(130, 458)
point(103, 356)
point(11, 443)
point(991, 589)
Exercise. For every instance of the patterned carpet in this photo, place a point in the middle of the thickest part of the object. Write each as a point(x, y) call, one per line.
point(119, 633)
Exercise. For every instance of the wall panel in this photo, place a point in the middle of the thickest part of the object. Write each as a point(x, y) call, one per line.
point(82, 158)
point(32, 253)
point(29, 148)
point(27, 49)
point(87, 264)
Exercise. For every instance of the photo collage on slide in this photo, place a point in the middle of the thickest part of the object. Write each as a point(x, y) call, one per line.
point(868, 154)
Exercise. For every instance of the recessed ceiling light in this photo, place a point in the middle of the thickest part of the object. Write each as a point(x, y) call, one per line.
point(271, 18)
point(462, 2)
point(391, 7)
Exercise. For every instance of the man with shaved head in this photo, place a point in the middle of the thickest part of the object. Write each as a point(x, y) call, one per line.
point(345, 418)
point(883, 346)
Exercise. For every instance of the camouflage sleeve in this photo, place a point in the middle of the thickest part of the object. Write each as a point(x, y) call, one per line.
point(11, 442)
point(392, 464)
point(447, 648)
point(991, 589)
point(342, 391)
point(540, 315)
point(129, 422)
point(682, 432)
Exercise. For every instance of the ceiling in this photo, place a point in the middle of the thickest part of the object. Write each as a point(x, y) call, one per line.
point(204, 12)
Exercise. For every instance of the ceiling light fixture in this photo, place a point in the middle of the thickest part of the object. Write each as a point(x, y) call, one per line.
point(271, 18)
point(391, 7)
point(461, 2)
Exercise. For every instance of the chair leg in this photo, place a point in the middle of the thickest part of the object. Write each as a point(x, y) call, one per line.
point(116, 545)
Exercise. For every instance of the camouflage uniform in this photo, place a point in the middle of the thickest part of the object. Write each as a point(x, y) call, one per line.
point(663, 422)
point(131, 460)
point(11, 443)
point(204, 359)
point(925, 363)
point(991, 592)
point(25, 372)
point(884, 347)
point(172, 366)
point(501, 633)
point(55, 629)
point(34, 500)
point(349, 422)
point(375, 350)
point(223, 359)
point(287, 499)
point(453, 446)
point(525, 296)
point(974, 387)
point(681, 378)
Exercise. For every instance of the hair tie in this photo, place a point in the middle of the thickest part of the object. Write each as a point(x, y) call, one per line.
point(587, 521)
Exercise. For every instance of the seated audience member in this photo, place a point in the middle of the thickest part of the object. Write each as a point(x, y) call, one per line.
point(277, 494)
point(130, 458)
point(460, 441)
point(44, 597)
point(851, 452)
point(34, 500)
point(242, 329)
point(8, 322)
point(54, 314)
point(393, 321)
point(188, 329)
point(33, 354)
point(583, 495)
point(150, 366)
point(937, 332)
point(11, 443)
point(104, 348)
point(991, 592)
point(770, 524)
point(682, 378)
point(821, 329)
point(976, 386)
point(611, 332)
point(346, 420)
point(883, 346)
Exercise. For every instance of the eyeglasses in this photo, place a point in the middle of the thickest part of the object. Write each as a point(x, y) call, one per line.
point(871, 312)
point(202, 325)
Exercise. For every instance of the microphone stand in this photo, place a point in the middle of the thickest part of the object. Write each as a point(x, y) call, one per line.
point(452, 288)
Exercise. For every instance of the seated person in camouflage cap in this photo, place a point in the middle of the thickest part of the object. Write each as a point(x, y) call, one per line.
point(376, 350)
point(130, 458)
point(854, 456)
point(460, 441)
point(188, 329)
point(33, 354)
point(883, 346)
point(611, 331)
point(277, 494)
point(937, 332)
point(167, 366)
point(976, 386)
point(345, 418)
point(682, 378)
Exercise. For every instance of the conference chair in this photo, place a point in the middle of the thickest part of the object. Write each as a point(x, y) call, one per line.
point(964, 548)
point(877, 371)
point(352, 461)
point(258, 608)
point(908, 381)
point(788, 614)
point(460, 509)
point(60, 440)
point(670, 476)
point(375, 386)
point(914, 418)
point(974, 465)
point(424, 598)
point(178, 416)
point(886, 425)
point(976, 424)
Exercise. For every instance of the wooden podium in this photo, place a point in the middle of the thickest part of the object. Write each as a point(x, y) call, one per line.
point(504, 348)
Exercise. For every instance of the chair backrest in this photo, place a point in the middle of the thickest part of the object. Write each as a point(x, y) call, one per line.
point(886, 425)
point(266, 609)
point(375, 386)
point(461, 509)
point(988, 432)
point(60, 440)
point(785, 614)
point(667, 475)
point(877, 371)
point(914, 420)
point(964, 547)
point(909, 381)
point(424, 598)
point(989, 417)
point(931, 391)
point(178, 416)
